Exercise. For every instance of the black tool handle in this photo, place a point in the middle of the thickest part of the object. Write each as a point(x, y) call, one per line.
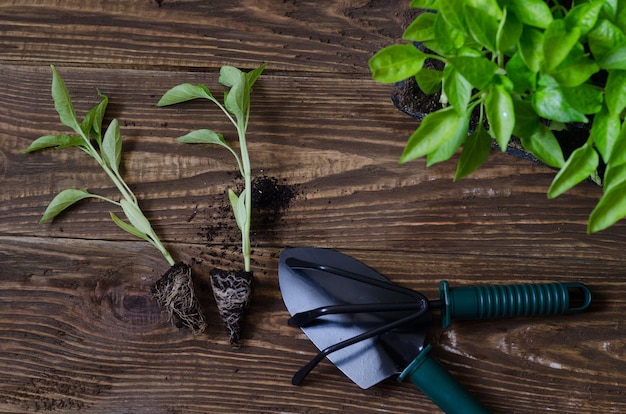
point(495, 301)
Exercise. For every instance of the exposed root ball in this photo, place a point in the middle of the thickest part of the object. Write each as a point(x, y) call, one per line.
point(232, 291)
point(174, 292)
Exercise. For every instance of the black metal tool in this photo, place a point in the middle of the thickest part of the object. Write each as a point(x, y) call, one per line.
point(371, 328)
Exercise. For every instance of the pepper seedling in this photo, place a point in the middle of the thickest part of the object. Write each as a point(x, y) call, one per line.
point(174, 291)
point(231, 289)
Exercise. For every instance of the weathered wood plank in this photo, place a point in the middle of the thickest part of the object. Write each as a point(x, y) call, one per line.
point(78, 333)
point(303, 36)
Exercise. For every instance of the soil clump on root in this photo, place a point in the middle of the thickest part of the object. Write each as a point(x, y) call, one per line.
point(232, 292)
point(175, 293)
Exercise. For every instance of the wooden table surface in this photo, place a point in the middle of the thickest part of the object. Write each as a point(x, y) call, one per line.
point(79, 331)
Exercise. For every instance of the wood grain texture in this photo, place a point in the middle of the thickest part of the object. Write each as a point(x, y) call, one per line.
point(79, 331)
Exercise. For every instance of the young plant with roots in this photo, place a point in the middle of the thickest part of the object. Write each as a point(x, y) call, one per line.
point(174, 290)
point(231, 289)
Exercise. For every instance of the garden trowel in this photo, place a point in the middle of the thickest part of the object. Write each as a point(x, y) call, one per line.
point(371, 328)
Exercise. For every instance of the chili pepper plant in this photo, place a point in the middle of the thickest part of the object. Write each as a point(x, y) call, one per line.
point(174, 290)
point(231, 288)
point(523, 68)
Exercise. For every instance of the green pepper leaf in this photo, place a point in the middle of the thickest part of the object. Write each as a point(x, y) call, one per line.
point(532, 12)
point(446, 150)
point(421, 29)
point(183, 93)
point(62, 201)
point(509, 33)
point(614, 59)
point(500, 114)
point(531, 48)
point(396, 62)
point(112, 146)
point(448, 38)
point(436, 128)
point(558, 41)
point(544, 145)
point(475, 152)
point(615, 91)
point(618, 155)
point(550, 102)
point(482, 26)
point(526, 119)
point(457, 89)
point(425, 4)
point(584, 16)
point(604, 38)
point(523, 79)
point(452, 11)
point(610, 209)
point(581, 164)
point(576, 72)
point(478, 70)
point(605, 132)
point(614, 176)
point(429, 80)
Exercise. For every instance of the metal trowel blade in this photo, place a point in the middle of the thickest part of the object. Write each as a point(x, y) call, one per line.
point(367, 362)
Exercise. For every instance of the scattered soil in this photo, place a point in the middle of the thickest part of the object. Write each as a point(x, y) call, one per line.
point(232, 292)
point(175, 293)
point(270, 199)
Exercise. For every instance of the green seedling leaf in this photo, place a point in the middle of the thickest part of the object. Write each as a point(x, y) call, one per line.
point(586, 98)
point(238, 204)
point(435, 130)
point(500, 114)
point(532, 12)
point(475, 152)
point(605, 132)
point(615, 91)
point(63, 102)
point(183, 93)
point(396, 62)
point(581, 164)
point(235, 99)
point(92, 123)
point(610, 209)
point(204, 136)
point(558, 41)
point(62, 201)
point(479, 71)
point(136, 217)
point(429, 80)
point(112, 146)
point(55, 141)
point(531, 48)
point(421, 29)
point(254, 74)
point(128, 228)
point(457, 89)
point(544, 145)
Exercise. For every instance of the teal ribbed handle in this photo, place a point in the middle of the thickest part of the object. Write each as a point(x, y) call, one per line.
point(496, 301)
